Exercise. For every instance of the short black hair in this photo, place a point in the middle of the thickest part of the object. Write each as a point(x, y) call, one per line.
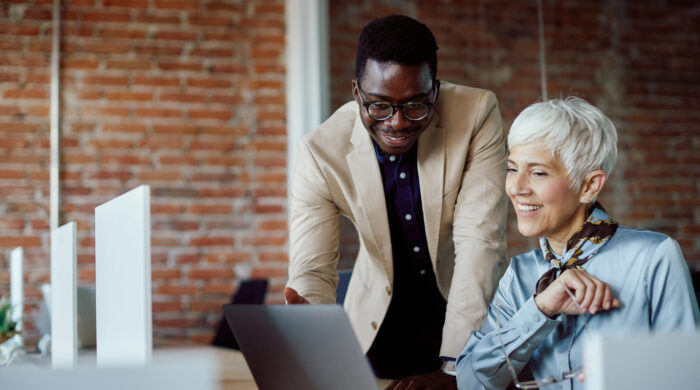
point(396, 38)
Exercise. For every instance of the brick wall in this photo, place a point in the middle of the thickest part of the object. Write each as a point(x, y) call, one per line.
point(636, 60)
point(186, 96)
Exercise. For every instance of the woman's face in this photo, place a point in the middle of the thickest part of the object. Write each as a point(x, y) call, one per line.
point(540, 189)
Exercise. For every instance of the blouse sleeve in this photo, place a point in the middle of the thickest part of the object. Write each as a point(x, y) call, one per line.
point(482, 363)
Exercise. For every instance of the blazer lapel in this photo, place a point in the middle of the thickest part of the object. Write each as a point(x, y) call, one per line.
point(365, 173)
point(431, 173)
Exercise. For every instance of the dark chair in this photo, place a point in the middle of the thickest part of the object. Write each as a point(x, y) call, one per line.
point(249, 292)
point(343, 281)
point(695, 276)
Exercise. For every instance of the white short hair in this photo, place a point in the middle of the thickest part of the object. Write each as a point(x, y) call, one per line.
point(573, 130)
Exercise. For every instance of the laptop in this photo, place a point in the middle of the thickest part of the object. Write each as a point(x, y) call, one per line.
point(305, 347)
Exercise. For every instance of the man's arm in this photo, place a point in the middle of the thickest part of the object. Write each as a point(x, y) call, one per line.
point(313, 233)
point(478, 230)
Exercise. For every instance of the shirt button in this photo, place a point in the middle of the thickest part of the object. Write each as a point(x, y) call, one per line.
point(388, 290)
point(374, 325)
point(402, 175)
point(408, 217)
point(422, 272)
point(392, 158)
point(416, 249)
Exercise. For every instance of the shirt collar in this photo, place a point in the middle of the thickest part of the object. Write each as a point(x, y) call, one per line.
point(384, 158)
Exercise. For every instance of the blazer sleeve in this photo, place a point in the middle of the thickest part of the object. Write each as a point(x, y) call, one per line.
point(478, 229)
point(313, 232)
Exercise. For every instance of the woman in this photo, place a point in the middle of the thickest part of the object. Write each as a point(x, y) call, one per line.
point(590, 273)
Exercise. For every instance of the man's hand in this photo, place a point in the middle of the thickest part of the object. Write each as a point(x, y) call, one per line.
point(436, 380)
point(292, 296)
point(591, 295)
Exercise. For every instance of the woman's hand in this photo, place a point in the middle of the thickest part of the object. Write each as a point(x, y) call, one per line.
point(590, 293)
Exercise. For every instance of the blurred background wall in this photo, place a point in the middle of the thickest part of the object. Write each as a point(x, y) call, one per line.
point(188, 97)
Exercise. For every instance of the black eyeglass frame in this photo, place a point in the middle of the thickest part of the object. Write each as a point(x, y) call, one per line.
point(395, 106)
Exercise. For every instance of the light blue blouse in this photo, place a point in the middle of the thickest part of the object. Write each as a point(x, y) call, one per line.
point(646, 272)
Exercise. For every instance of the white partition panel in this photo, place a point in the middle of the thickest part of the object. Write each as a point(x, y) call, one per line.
point(643, 361)
point(17, 289)
point(123, 279)
point(64, 301)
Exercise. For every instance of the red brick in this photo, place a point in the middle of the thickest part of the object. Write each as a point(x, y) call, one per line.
point(148, 18)
point(265, 273)
point(179, 5)
point(23, 241)
point(129, 96)
point(106, 16)
point(208, 83)
point(79, 63)
point(212, 146)
point(274, 256)
point(11, 223)
point(174, 129)
point(157, 81)
point(224, 161)
point(182, 97)
point(211, 209)
point(223, 6)
point(178, 66)
point(128, 159)
point(211, 241)
point(128, 64)
point(187, 259)
point(210, 114)
point(122, 33)
point(157, 176)
point(99, 112)
point(12, 28)
point(124, 128)
point(160, 274)
point(275, 224)
point(168, 306)
point(211, 52)
point(175, 35)
point(167, 208)
point(265, 240)
point(25, 94)
point(205, 20)
point(229, 68)
point(228, 257)
point(20, 127)
point(158, 112)
point(126, 3)
point(210, 273)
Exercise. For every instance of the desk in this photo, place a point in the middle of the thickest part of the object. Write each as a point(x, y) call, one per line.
point(233, 372)
point(228, 367)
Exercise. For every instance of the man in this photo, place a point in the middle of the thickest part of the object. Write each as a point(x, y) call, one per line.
point(419, 169)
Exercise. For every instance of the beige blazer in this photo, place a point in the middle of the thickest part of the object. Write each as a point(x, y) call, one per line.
point(461, 166)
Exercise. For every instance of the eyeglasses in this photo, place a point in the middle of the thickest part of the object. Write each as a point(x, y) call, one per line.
point(381, 111)
point(537, 383)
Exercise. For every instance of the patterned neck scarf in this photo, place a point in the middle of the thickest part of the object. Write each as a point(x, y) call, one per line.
point(588, 240)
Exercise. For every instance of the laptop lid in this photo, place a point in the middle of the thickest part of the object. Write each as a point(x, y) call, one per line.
point(300, 347)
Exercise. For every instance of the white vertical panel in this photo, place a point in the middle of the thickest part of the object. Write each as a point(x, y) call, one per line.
point(308, 71)
point(17, 289)
point(64, 325)
point(54, 107)
point(643, 360)
point(123, 279)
